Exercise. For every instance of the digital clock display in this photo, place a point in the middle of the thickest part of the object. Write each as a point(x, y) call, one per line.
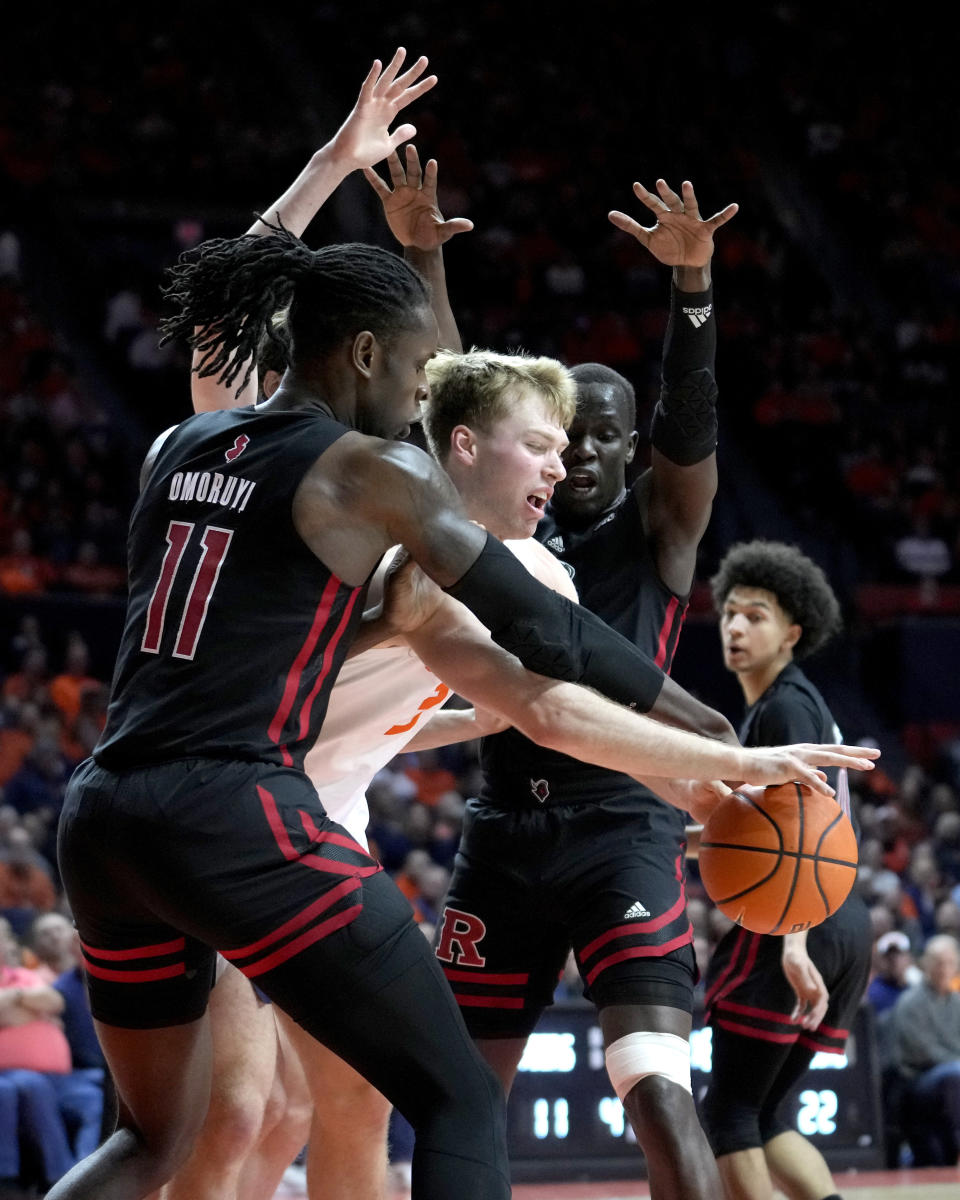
point(564, 1115)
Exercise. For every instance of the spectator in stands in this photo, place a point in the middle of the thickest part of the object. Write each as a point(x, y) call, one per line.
point(26, 884)
point(89, 575)
point(66, 688)
point(30, 684)
point(23, 573)
point(926, 1030)
point(27, 637)
point(37, 1086)
point(52, 938)
point(18, 723)
point(91, 719)
point(894, 971)
point(39, 785)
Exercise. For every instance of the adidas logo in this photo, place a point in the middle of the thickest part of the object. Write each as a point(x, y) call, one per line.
point(636, 910)
point(556, 543)
point(699, 316)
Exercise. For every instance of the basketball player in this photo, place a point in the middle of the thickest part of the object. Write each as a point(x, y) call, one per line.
point(773, 1002)
point(347, 1136)
point(193, 827)
point(558, 854)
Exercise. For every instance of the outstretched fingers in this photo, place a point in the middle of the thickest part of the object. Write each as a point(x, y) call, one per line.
point(415, 174)
point(723, 216)
point(629, 225)
point(667, 195)
point(379, 186)
point(855, 758)
point(392, 69)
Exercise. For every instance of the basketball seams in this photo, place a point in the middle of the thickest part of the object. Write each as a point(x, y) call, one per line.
point(816, 864)
point(795, 895)
point(801, 829)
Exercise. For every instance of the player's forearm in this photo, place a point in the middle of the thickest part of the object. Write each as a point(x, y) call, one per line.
point(448, 728)
point(684, 425)
point(430, 265)
point(311, 189)
point(576, 722)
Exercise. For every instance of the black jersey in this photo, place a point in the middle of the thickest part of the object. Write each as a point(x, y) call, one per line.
point(614, 572)
point(235, 630)
point(791, 710)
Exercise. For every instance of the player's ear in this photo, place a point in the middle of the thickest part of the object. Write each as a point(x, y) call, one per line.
point(793, 635)
point(363, 352)
point(463, 444)
point(631, 447)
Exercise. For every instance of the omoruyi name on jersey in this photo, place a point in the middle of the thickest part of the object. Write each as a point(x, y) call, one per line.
point(212, 487)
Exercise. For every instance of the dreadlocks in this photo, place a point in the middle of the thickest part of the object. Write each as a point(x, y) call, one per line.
point(800, 586)
point(226, 291)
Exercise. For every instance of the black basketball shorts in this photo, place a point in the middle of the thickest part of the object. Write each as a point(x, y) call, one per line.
point(165, 865)
point(528, 885)
point(748, 994)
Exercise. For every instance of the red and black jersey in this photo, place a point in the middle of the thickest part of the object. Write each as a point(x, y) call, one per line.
point(613, 570)
point(791, 711)
point(235, 630)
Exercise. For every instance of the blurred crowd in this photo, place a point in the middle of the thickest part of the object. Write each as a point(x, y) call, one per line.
point(837, 284)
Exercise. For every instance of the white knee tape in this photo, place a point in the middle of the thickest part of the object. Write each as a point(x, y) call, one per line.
point(633, 1057)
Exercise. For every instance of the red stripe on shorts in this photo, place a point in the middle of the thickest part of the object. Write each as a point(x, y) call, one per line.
point(488, 1001)
point(148, 976)
point(765, 1035)
point(476, 977)
point(316, 934)
point(634, 927)
point(640, 952)
point(155, 951)
point(304, 917)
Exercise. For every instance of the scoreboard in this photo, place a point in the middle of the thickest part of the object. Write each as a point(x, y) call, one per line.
point(564, 1117)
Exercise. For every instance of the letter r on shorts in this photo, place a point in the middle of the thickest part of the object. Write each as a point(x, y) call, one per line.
point(459, 937)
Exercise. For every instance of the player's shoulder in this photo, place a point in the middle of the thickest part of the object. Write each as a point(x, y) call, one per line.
point(543, 566)
point(790, 710)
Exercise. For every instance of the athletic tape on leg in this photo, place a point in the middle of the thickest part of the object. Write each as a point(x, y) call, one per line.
point(637, 1055)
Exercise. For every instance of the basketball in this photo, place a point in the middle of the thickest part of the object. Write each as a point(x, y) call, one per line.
point(779, 864)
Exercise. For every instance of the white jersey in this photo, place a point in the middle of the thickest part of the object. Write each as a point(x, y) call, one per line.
point(383, 697)
point(380, 700)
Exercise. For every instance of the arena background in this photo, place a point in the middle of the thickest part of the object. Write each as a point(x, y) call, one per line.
point(127, 135)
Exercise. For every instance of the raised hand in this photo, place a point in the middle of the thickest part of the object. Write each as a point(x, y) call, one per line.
point(680, 237)
point(410, 206)
point(365, 138)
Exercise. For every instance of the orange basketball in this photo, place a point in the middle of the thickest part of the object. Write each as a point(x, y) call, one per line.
point(779, 864)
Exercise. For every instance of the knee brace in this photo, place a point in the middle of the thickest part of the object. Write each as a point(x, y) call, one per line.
point(637, 1055)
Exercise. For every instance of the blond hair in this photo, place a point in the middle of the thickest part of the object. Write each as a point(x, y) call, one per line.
point(478, 389)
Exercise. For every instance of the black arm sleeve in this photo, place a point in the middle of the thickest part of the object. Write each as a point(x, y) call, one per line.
point(550, 634)
point(684, 426)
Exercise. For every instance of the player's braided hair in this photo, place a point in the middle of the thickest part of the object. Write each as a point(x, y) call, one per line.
point(226, 290)
point(800, 586)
